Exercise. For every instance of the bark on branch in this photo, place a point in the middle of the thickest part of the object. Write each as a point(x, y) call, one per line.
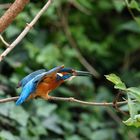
point(70, 99)
point(25, 31)
point(11, 13)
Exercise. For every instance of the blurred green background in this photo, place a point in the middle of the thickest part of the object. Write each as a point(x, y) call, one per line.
point(107, 37)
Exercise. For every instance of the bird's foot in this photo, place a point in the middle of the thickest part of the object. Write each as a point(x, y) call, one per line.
point(46, 97)
point(49, 97)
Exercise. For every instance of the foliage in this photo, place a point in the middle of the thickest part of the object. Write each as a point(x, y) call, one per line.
point(134, 119)
point(108, 37)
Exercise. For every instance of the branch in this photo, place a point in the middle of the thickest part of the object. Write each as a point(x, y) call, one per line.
point(70, 99)
point(11, 13)
point(131, 12)
point(25, 31)
point(4, 42)
point(80, 7)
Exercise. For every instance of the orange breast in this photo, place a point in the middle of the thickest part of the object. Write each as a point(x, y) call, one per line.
point(47, 85)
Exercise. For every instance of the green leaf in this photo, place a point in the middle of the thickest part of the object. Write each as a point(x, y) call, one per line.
point(113, 78)
point(116, 80)
point(51, 123)
point(137, 20)
point(12, 31)
point(6, 135)
point(132, 108)
point(135, 92)
point(49, 55)
point(20, 115)
point(134, 5)
point(120, 86)
point(102, 134)
point(74, 137)
point(133, 122)
point(119, 5)
point(130, 26)
point(45, 109)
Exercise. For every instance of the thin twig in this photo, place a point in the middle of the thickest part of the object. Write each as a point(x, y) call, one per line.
point(2, 39)
point(130, 11)
point(25, 31)
point(70, 99)
point(12, 13)
point(113, 115)
point(80, 7)
point(9, 99)
point(73, 44)
point(115, 104)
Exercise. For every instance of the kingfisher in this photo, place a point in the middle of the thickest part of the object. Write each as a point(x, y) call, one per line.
point(41, 82)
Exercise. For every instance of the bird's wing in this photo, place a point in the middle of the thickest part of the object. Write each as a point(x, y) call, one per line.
point(50, 73)
point(26, 91)
point(31, 86)
point(29, 77)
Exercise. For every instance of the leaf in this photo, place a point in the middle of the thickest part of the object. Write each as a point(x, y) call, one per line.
point(12, 31)
point(45, 109)
point(86, 4)
point(133, 122)
point(51, 123)
point(134, 5)
point(102, 134)
point(16, 113)
point(120, 86)
point(20, 115)
point(113, 78)
point(49, 55)
point(6, 135)
point(68, 126)
point(132, 108)
point(74, 137)
point(137, 20)
point(130, 26)
point(135, 92)
point(119, 5)
point(116, 80)
point(5, 108)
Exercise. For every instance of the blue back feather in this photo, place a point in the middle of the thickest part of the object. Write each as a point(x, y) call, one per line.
point(26, 91)
point(31, 85)
point(29, 77)
point(69, 70)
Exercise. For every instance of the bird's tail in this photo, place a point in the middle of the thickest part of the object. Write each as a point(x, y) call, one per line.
point(21, 99)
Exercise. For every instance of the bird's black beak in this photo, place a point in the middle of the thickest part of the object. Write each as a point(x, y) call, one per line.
point(81, 73)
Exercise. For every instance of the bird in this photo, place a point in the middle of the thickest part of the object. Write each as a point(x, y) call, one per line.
point(41, 82)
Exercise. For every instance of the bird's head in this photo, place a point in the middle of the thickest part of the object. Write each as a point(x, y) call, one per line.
point(69, 74)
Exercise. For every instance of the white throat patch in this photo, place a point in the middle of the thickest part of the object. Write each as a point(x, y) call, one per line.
point(60, 74)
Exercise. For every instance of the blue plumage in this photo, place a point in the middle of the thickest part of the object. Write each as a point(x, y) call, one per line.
point(29, 88)
point(30, 82)
point(26, 91)
point(69, 70)
point(29, 77)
